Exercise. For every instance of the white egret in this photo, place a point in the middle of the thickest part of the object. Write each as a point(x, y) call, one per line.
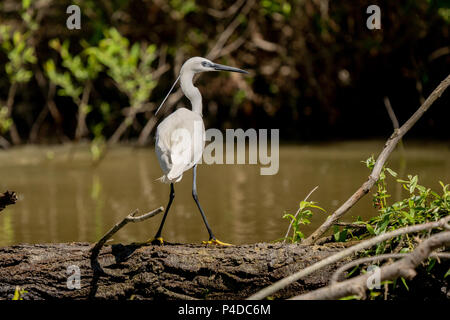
point(180, 138)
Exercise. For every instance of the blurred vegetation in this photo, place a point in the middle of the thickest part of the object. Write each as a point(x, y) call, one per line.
point(317, 72)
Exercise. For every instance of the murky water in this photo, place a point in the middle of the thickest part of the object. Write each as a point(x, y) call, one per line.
point(63, 198)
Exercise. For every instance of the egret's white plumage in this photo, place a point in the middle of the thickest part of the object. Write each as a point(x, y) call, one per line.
point(180, 138)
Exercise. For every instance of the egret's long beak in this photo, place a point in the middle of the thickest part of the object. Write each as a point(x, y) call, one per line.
point(221, 67)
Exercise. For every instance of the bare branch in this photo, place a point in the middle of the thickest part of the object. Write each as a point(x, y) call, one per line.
point(232, 46)
point(390, 145)
point(350, 225)
point(81, 129)
point(174, 295)
point(391, 113)
point(404, 268)
point(4, 143)
point(9, 105)
point(226, 34)
point(130, 218)
point(345, 253)
point(228, 12)
point(439, 53)
point(337, 274)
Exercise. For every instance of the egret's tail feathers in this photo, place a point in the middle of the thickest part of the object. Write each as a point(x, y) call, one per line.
point(163, 179)
point(176, 171)
point(166, 179)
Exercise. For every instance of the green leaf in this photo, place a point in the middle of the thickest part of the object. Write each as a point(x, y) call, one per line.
point(413, 183)
point(447, 274)
point(370, 229)
point(391, 172)
point(354, 297)
point(26, 4)
point(303, 204)
point(343, 235)
point(404, 283)
point(431, 264)
point(317, 207)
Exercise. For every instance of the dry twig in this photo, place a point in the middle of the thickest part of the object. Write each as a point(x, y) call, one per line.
point(337, 274)
point(130, 218)
point(404, 268)
point(228, 12)
point(345, 253)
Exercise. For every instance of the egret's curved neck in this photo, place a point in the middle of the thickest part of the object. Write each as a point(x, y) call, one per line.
point(191, 92)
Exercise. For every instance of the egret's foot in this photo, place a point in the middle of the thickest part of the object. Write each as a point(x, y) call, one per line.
point(217, 242)
point(156, 241)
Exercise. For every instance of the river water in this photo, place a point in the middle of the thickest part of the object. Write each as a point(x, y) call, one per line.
point(63, 198)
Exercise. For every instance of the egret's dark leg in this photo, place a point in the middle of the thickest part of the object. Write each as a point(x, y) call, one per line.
point(195, 196)
point(212, 238)
point(158, 238)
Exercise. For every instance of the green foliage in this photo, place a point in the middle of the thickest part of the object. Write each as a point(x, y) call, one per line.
point(16, 45)
point(28, 16)
point(442, 7)
point(281, 86)
point(340, 235)
point(445, 14)
point(128, 65)
point(5, 120)
point(63, 80)
point(239, 97)
point(19, 293)
point(20, 55)
point(422, 205)
point(302, 217)
point(79, 69)
point(269, 7)
point(181, 8)
point(98, 144)
point(447, 274)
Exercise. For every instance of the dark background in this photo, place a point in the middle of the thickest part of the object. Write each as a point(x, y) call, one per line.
point(317, 71)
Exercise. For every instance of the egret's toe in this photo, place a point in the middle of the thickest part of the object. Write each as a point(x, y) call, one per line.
point(156, 241)
point(216, 242)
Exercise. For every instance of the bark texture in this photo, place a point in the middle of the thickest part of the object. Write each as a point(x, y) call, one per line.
point(171, 271)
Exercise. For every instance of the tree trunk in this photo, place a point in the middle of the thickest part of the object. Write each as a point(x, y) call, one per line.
point(172, 271)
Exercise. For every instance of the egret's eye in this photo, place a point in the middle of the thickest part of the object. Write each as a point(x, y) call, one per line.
point(206, 64)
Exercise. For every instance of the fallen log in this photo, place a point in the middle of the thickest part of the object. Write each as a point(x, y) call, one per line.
point(172, 271)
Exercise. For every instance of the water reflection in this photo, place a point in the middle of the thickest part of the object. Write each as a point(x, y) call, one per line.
point(65, 199)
